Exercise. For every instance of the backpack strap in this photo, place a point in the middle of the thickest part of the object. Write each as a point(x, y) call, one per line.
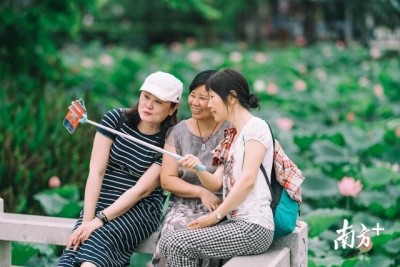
point(273, 186)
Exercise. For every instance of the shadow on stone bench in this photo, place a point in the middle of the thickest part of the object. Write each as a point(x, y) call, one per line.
point(287, 251)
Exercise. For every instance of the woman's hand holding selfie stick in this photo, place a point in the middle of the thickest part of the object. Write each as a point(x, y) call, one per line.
point(77, 114)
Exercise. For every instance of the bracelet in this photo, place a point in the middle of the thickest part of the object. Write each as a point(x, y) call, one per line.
point(102, 217)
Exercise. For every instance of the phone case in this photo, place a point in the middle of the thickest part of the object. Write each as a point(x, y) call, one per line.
point(75, 113)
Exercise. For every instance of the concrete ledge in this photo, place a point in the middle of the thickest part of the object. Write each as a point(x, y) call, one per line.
point(274, 257)
point(35, 229)
point(290, 250)
point(295, 244)
point(48, 230)
point(148, 245)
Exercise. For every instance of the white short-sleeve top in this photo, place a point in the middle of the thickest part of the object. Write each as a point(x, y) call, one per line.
point(255, 208)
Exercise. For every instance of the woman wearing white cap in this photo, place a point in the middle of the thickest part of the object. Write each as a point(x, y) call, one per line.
point(123, 198)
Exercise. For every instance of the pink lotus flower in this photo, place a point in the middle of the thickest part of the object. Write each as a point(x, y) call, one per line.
point(190, 41)
point(175, 47)
point(395, 167)
point(106, 60)
point(300, 85)
point(321, 75)
point(284, 123)
point(272, 88)
point(260, 58)
point(378, 90)
point(340, 45)
point(397, 133)
point(349, 187)
point(54, 182)
point(375, 53)
point(350, 116)
point(365, 243)
point(195, 57)
point(300, 41)
point(236, 56)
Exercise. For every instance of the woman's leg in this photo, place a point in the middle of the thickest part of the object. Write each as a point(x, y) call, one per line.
point(182, 248)
point(88, 264)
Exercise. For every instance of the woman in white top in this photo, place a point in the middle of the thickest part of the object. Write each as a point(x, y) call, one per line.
point(249, 228)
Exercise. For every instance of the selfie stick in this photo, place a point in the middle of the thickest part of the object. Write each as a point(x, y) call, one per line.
point(83, 119)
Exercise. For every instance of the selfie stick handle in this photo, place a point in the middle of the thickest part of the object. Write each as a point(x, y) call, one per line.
point(175, 156)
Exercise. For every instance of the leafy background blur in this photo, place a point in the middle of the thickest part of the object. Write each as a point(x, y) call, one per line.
point(329, 92)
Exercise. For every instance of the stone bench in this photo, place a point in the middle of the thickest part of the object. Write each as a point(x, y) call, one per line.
point(287, 251)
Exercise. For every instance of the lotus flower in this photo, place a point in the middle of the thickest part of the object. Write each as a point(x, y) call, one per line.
point(397, 132)
point(349, 187)
point(195, 57)
point(272, 88)
point(284, 123)
point(191, 41)
point(365, 243)
point(350, 116)
point(260, 57)
point(375, 53)
point(300, 85)
point(378, 90)
point(54, 182)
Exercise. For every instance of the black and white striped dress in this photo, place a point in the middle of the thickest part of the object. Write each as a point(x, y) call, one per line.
point(114, 243)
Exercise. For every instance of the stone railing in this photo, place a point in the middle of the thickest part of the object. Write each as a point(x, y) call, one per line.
point(290, 250)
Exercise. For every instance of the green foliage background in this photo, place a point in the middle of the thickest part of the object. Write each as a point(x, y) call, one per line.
point(342, 124)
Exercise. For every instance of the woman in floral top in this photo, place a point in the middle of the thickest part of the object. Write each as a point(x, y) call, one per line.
point(249, 228)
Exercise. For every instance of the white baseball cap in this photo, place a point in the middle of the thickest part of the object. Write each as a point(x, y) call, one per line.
point(163, 85)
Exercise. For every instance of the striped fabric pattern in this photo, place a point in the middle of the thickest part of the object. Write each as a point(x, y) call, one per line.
point(113, 244)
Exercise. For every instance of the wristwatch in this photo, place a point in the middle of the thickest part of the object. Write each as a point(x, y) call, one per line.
point(102, 217)
point(219, 216)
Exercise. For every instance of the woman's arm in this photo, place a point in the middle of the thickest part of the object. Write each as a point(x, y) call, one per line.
point(146, 184)
point(98, 165)
point(254, 155)
point(212, 182)
point(97, 168)
point(171, 182)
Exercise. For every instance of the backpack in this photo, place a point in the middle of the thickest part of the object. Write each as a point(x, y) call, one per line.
point(285, 183)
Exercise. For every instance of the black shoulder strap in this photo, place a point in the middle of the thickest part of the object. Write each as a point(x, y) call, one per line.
point(121, 121)
point(273, 186)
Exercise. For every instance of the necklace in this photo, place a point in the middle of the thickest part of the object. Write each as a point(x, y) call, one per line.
point(203, 143)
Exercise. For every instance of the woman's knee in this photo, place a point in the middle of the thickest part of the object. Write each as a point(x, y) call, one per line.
point(166, 241)
point(170, 242)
